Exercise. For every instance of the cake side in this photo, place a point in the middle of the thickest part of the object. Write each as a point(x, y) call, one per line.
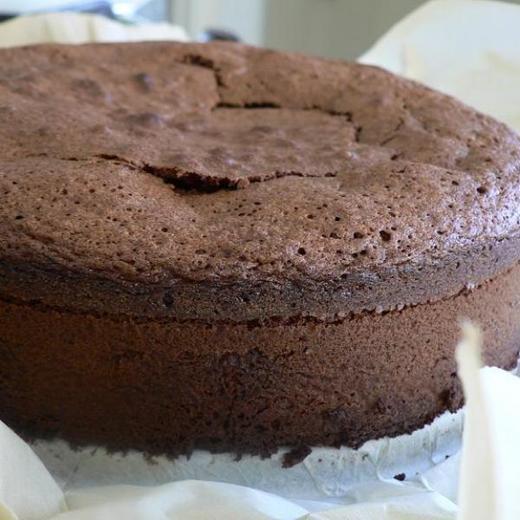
point(167, 387)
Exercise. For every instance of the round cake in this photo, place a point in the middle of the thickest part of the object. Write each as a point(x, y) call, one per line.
point(221, 247)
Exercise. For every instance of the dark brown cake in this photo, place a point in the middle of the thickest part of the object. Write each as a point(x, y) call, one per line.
point(230, 248)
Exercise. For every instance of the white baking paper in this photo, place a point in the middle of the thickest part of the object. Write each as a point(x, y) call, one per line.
point(468, 48)
point(81, 28)
point(27, 490)
point(325, 473)
point(490, 468)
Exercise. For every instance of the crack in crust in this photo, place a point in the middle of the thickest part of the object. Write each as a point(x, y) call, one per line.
point(213, 136)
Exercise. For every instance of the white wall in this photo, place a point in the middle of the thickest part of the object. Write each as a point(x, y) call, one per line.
point(244, 17)
point(333, 28)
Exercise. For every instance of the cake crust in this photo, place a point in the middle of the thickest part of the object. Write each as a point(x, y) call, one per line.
point(325, 183)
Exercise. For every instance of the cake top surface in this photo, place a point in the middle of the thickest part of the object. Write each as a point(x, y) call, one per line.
point(154, 163)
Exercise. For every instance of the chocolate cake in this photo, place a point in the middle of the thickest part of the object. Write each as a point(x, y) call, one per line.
point(222, 247)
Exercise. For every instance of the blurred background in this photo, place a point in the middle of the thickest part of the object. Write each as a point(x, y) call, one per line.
point(332, 28)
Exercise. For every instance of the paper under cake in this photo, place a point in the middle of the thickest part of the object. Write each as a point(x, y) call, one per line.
point(233, 249)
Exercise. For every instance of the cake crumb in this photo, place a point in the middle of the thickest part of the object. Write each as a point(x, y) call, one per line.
point(295, 456)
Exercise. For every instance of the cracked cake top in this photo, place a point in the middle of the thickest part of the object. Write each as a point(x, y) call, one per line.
point(166, 172)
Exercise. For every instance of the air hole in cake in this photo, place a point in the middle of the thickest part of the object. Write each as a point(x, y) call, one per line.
point(301, 251)
point(168, 299)
point(386, 236)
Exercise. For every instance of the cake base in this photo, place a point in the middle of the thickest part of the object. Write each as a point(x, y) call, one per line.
point(325, 472)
